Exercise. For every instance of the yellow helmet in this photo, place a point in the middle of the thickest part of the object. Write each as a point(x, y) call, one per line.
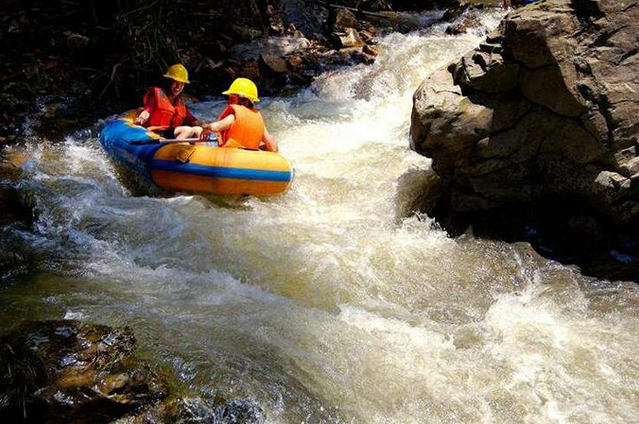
point(178, 73)
point(243, 87)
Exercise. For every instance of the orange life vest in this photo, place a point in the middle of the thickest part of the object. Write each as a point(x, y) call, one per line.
point(165, 113)
point(247, 130)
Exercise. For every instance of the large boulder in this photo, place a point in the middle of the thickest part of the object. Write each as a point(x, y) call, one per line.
point(547, 106)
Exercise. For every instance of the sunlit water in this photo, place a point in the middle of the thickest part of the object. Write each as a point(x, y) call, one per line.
point(330, 303)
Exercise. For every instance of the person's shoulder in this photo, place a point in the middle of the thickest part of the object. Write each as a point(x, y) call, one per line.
point(153, 90)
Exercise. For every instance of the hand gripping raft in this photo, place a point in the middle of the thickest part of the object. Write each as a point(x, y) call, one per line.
point(202, 167)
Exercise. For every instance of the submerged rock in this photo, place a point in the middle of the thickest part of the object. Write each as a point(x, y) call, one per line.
point(195, 410)
point(69, 371)
point(72, 372)
point(545, 107)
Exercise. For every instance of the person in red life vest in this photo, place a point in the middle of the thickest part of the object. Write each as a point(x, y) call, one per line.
point(165, 111)
point(241, 125)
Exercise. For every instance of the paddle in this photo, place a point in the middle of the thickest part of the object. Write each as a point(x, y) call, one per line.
point(212, 139)
point(186, 140)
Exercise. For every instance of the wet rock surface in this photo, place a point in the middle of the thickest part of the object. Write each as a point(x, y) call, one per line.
point(69, 371)
point(545, 108)
point(194, 410)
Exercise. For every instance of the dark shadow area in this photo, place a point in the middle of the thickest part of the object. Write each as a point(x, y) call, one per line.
point(16, 214)
point(558, 228)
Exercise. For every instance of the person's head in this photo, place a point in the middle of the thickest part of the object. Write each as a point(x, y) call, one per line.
point(235, 99)
point(173, 88)
point(176, 77)
point(243, 92)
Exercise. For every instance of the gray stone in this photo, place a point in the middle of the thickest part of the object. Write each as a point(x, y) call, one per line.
point(280, 46)
point(274, 63)
point(547, 106)
point(547, 87)
point(486, 72)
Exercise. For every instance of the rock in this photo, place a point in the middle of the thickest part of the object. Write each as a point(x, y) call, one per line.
point(342, 19)
point(280, 46)
point(69, 371)
point(546, 106)
point(277, 24)
point(463, 25)
point(549, 87)
point(274, 63)
point(308, 17)
point(426, 183)
point(294, 61)
point(454, 11)
point(369, 50)
point(76, 42)
point(14, 210)
point(359, 56)
point(369, 36)
point(349, 38)
point(245, 33)
point(486, 72)
point(218, 411)
point(375, 5)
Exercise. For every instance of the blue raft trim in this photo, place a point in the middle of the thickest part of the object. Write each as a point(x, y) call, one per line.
point(220, 172)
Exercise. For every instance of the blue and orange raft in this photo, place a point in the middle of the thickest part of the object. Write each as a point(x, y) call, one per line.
point(207, 168)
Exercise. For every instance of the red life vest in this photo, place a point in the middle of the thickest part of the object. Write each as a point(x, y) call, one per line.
point(247, 130)
point(165, 114)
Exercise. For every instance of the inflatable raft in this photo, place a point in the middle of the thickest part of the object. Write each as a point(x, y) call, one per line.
point(198, 167)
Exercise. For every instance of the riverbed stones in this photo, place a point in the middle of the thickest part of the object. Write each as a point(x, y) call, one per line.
point(69, 371)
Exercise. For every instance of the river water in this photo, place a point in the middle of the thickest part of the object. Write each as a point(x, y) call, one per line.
point(332, 303)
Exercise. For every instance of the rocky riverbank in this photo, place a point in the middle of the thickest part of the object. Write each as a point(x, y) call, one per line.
point(64, 64)
point(533, 135)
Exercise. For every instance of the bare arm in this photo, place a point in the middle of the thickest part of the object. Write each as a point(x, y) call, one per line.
point(142, 117)
point(222, 125)
point(149, 105)
point(269, 142)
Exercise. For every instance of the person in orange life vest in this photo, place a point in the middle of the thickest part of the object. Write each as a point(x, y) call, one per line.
point(164, 108)
point(241, 125)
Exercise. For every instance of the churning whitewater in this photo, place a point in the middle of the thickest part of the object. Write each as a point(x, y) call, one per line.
point(333, 303)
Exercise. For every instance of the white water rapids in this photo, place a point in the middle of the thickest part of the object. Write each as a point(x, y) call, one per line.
point(331, 303)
